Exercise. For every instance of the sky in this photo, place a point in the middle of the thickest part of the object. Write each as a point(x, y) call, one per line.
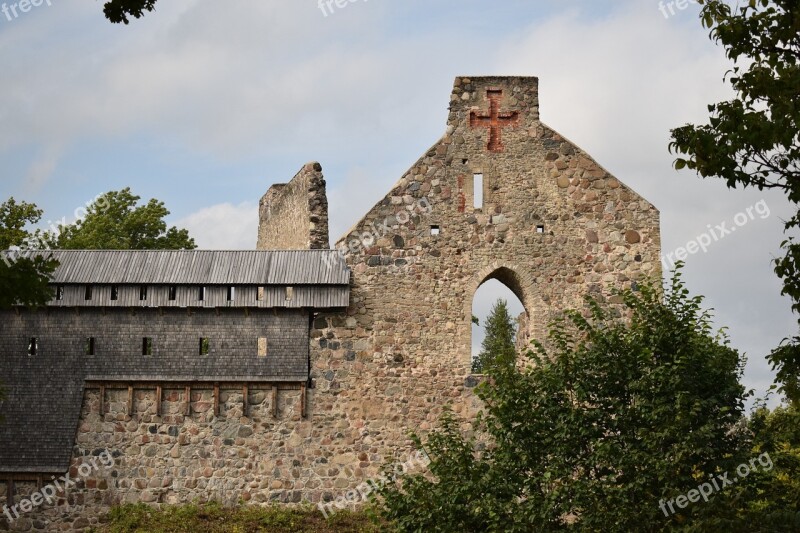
point(204, 105)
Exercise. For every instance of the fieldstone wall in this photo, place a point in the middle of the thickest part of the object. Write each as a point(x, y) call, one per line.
point(294, 216)
point(173, 458)
point(553, 226)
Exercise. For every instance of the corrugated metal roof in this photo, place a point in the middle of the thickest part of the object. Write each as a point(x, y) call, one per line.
point(201, 267)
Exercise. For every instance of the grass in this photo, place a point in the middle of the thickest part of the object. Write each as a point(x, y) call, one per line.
point(213, 517)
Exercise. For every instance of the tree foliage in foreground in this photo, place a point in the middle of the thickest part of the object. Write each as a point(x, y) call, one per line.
point(753, 140)
point(616, 416)
point(24, 277)
point(772, 499)
point(115, 222)
point(498, 345)
point(122, 10)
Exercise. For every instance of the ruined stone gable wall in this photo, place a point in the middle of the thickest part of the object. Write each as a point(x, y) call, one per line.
point(294, 216)
point(554, 226)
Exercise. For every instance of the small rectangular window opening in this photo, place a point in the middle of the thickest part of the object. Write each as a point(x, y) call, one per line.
point(143, 293)
point(260, 294)
point(89, 346)
point(173, 293)
point(289, 293)
point(435, 230)
point(114, 292)
point(33, 346)
point(87, 295)
point(201, 293)
point(540, 228)
point(262, 346)
point(59, 292)
point(147, 345)
point(477, 191)
point(204, 346)
point(231, 293)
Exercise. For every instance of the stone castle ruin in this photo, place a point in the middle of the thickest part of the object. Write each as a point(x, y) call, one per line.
point(295, 371)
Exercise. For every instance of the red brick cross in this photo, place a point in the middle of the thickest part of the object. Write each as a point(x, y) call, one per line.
point(495, 121)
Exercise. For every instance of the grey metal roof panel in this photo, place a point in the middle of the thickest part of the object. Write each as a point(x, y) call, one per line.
point(201, 267)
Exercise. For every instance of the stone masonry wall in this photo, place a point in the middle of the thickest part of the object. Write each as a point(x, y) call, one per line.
point(553, 226)
point(294, 216)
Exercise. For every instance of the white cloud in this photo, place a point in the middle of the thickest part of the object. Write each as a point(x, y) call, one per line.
point(223, 226)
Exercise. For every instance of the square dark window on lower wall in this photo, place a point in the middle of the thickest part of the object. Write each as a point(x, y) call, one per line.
point(173, 293)
point(89, 348)
point(33, 346)
point(87, 293)
point(147, 345)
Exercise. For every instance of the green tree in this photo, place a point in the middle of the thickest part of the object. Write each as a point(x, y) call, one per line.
point(115, 222)
point(753, 140)
point(120, 10)
point(772, 497)
point(616, 417)
point(498, 345)
point(24, 274)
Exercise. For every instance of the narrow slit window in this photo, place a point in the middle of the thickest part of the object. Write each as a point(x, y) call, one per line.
point(201, 294)
point(204, 346)
point(173, 293)
point(540, 228)
point(87, 294)
point(289, 293)
point(143, 293)
point(262, 346)
point(114, 292)
point(435, 230)
point(231, 293)
point(89, 346)
point(33, 346)
point(477, 190)
point(260, 294)
point(147, 345)
point(59, 292)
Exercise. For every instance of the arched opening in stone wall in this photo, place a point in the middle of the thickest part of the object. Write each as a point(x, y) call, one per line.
point(501, 284)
